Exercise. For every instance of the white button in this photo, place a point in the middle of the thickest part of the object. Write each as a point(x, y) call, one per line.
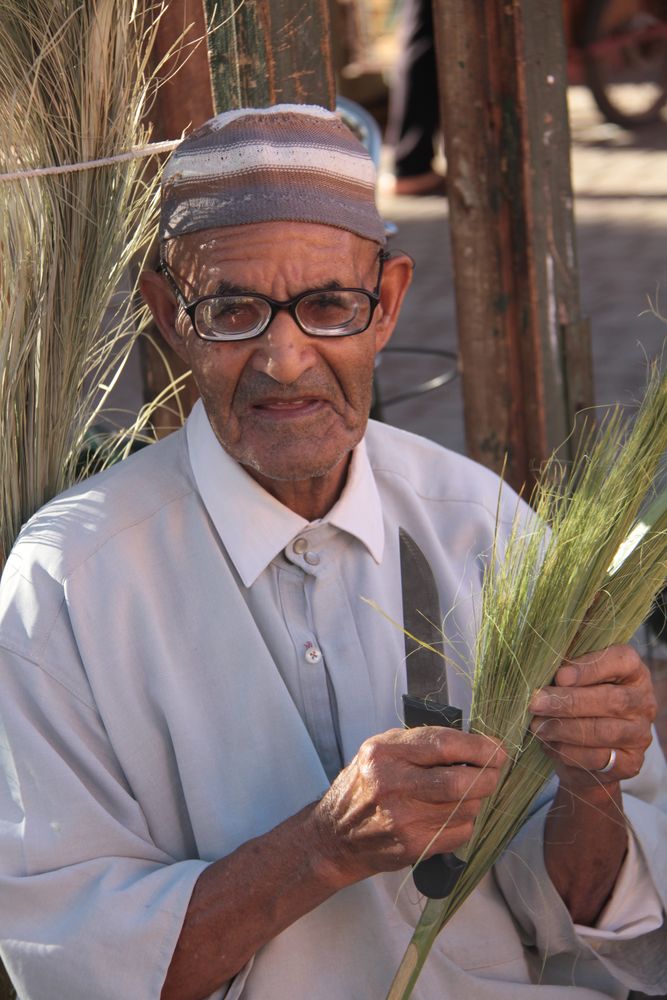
point(300, 546)
point(312, 558)
point(312, 655)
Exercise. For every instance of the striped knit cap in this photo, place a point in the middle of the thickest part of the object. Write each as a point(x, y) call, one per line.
point(291, 162)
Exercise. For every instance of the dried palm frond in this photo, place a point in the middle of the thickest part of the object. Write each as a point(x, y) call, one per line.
point(74, 86)
point(583, 577)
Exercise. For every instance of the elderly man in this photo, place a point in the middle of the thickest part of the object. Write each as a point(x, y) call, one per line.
point(208, 791)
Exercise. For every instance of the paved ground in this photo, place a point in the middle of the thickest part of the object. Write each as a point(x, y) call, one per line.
point(620, 183)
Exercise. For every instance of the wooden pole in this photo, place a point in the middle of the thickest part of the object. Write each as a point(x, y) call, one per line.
point(271, 53)
point(185, 96)
point(183, 101)
point(524, 346)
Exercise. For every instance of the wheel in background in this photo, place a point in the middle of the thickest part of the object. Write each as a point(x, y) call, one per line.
point(625, 54)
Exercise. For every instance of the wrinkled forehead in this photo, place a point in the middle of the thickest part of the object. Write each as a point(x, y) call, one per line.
point(259, 253)
point(289, 163)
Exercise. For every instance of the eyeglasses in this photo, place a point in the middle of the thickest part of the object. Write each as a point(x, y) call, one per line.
point(327, 312)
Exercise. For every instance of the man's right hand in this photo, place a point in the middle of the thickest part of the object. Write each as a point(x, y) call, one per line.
point(404, 789)
point(405, 795)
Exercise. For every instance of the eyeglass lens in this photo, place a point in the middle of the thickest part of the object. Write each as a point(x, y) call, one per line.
point(325, 314)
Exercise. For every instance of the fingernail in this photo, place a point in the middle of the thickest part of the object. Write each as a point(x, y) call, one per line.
point(567, 676)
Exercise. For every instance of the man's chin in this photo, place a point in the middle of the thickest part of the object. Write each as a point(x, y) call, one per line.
point(282, 471)
point(288, 457)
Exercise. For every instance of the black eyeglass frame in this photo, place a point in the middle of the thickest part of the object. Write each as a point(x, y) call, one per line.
point(275, 305)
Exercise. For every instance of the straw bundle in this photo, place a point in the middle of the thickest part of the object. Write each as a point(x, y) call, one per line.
point(582, 578)
point(73, 88)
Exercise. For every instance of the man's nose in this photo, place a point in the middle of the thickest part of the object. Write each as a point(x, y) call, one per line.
point(283, 351)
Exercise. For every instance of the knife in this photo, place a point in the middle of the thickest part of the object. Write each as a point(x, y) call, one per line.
point(426, 703)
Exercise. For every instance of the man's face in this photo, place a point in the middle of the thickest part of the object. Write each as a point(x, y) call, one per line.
point(288, 406)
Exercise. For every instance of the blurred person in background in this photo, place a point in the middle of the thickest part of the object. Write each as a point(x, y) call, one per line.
point(413, 105)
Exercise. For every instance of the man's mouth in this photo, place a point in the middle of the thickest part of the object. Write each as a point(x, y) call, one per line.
point(289, 408)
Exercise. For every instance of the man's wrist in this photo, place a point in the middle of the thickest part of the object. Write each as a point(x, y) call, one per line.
point(585, 842)
point(329, 859)
point(605, 797)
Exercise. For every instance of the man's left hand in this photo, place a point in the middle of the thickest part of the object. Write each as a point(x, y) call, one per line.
point(600, 702)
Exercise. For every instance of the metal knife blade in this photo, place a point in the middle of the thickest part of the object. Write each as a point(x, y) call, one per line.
point(425, 704)
point(421, 617)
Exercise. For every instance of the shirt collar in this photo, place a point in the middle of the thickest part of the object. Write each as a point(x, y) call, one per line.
point(253, 526)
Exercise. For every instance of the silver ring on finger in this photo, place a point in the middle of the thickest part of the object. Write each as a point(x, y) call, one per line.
point(609, 765)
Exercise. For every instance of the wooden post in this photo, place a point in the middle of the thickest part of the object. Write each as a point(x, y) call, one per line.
point(185, 96)
point(525, 349)
point(183, 100)
point(271, 53)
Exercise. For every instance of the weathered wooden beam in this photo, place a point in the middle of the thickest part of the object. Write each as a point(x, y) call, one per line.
point(524, 347)
point(271, 53)
point(184, 99)
point(185, 95)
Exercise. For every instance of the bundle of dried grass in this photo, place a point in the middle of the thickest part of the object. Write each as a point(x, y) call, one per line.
point(584, 577)
point(74, 85)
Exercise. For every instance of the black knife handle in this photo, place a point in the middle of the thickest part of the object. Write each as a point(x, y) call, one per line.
point(436, 876)
point(419, 712)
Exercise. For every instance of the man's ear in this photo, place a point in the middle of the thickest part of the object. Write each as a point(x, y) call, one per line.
point(162, 304)
point(396, 278)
